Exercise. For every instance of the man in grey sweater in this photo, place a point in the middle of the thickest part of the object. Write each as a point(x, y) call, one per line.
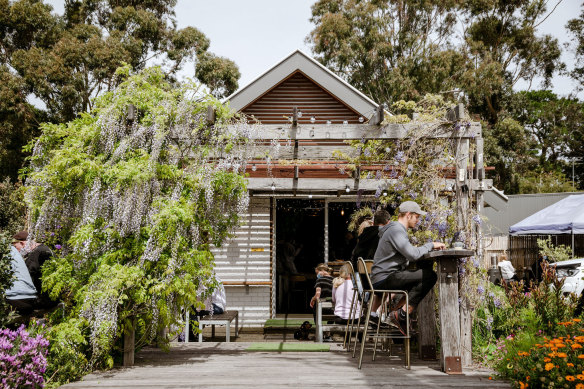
point(393, 255)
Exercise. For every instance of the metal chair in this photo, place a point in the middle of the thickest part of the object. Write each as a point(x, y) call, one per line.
point(364, 269)
point(357, 297)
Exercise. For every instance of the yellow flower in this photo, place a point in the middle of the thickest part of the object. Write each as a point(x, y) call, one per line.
point(570, 378)
point(580, 377)
point(549, 366)
point(522, 354)
point(570, 364)
point(562, 355)
point(581, 356)
point(522, 385)
point(580, 386)
point(577, 320)
point(576, 345)
point(546, 359)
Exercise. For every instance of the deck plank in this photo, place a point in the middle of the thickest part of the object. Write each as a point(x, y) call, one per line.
point(228, 365)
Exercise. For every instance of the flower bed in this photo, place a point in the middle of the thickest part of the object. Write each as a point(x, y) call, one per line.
point(22, 359)
point(546, 361)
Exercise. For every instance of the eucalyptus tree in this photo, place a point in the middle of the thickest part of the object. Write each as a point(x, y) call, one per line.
point(67, 60)
point(403, 49)
point(132, 200)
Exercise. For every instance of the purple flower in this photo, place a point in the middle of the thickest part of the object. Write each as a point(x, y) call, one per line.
point(497, 303)
point(477, 219)
point(480, 290)
point(367, 152)
point(58, 246)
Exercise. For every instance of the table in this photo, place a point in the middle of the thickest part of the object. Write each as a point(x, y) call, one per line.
point(223, 319)
point(448, 306)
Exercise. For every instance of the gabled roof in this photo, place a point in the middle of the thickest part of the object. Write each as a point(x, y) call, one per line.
point(299, 61)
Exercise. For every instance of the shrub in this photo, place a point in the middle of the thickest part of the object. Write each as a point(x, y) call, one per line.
point(22, 359)
point(546, 361)
point(12, 211)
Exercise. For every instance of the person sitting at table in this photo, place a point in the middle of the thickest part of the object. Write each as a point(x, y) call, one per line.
point(323, 287)
point(394, 253)
point(507, 269)
point(343, 296)
point(21, 295)
point(35, 255)
point(369, 238)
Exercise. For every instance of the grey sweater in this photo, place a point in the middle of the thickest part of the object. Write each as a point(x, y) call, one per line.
point(394, 251)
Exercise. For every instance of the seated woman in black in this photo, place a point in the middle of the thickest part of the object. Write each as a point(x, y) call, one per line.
point(323, 287)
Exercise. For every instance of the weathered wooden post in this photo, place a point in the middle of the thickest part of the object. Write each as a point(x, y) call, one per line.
point(427, 327)
point(129, 341)
point(462, 202)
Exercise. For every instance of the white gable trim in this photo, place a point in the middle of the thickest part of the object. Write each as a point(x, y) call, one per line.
point(312, 69)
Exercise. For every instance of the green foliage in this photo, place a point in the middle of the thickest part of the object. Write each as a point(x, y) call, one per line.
point(67, 60)
point(68, 346)
point(358, 217)
point(12, 212)
point(6, 277)
point(390, 50)
point(549, 302)
point(554, 253)
point(400, 50)
point(132, 208)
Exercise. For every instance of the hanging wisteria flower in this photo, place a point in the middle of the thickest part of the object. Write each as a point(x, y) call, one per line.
point(480, 289)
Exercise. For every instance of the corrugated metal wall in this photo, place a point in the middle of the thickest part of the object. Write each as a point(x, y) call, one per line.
point(244, 264)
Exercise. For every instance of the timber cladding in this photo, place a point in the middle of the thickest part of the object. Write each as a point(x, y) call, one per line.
point(275, 106)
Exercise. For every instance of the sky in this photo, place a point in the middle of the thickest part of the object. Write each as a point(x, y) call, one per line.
point(257, 34)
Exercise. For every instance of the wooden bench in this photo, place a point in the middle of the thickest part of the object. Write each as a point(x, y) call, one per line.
point(223, 319)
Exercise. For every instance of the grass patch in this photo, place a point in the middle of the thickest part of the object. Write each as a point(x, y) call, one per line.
point(288, 347)
point(287, 323)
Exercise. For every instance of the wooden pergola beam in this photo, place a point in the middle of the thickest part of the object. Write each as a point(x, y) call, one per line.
point(468, 130)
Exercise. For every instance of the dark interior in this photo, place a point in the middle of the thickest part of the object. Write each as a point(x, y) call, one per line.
point(300, 247)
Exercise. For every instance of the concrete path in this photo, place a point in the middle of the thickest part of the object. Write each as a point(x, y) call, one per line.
point(228, 365)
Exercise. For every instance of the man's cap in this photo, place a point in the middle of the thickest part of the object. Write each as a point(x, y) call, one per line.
point(411, 206)
point(20, 236)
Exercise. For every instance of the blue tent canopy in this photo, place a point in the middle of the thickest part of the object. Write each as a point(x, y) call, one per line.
point(564, 217)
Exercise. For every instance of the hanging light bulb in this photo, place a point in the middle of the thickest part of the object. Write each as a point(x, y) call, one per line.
point(254, 168)
point(328, 122)
point(299, 114)
point(310, 195)
point(347, 189)
point(361, 119)
point(345, 122)
point(312, 119)
point(342, 212)
point(384, 193)
point(273, 187)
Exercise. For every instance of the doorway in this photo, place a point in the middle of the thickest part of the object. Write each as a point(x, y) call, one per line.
point(301, 225)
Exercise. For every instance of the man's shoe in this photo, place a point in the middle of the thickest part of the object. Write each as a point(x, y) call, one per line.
point(374, 320)
point(398, 322)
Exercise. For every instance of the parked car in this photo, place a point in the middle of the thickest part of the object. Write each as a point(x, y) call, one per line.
point(572, 271)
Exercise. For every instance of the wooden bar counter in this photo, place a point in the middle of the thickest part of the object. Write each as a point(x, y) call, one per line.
point(448, 306)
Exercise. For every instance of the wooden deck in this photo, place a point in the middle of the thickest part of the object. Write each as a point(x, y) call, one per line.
point(228, 365)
